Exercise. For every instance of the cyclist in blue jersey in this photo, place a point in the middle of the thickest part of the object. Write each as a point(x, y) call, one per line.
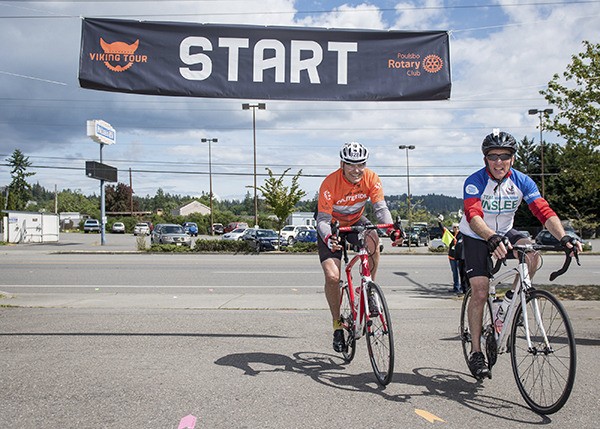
point(492, 195)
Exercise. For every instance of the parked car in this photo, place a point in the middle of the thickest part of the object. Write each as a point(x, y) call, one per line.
point(157, 227)
point(118, 228)
point(218, 228)
point(236, 234)
point(289, 232)
point(437, 243)
point(417, 236)
point(261, 239)
point(525, 233)
point(190, 228)
point(234, 225)
point(435, 232)
point(306, 236)
point(91, 225)
point(141, 228)
point(544, 237)
point(170, 234)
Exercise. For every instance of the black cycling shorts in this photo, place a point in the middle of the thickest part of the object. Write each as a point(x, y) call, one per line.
point(478, 261)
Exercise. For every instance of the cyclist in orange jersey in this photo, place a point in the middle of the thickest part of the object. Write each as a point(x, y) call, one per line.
point(342, 197)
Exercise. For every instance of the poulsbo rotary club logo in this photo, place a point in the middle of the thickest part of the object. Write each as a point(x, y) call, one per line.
point(432, 63)
point(412, 63)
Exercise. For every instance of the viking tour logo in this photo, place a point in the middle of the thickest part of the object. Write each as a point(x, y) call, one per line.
point(118, 56)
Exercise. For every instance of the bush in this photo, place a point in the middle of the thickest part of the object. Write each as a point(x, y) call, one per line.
point(235, 246)
point(441, 249)
point(301, 248)
point(140, 242)
point(171, 248)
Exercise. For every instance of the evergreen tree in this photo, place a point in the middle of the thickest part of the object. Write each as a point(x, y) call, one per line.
point(19, 189)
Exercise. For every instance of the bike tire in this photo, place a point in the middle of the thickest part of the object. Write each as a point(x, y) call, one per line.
point(348, 324)
point(486, 326)
point(544, 376)
point(380, 339)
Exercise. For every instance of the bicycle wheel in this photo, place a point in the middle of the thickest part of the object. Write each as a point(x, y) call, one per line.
point(380, 339)
point(544, 374)
point(487, 341)
point(348, 323)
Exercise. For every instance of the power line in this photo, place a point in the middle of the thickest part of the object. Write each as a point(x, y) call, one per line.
point(295, 12)
point(231, 174)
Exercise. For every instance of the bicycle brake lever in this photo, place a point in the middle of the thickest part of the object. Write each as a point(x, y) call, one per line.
point(335, 225)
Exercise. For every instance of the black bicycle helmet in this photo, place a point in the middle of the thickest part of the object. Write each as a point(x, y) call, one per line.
point(498, 140)
point(354, 153)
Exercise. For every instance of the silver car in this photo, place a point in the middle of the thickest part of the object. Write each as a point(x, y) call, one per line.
point(170, 234)
point(91, 225)
point(236, 234)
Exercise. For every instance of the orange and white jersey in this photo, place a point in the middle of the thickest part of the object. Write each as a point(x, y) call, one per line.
point(345, 202)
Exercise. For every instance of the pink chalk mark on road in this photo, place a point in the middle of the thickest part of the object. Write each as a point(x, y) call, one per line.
point(188, 422)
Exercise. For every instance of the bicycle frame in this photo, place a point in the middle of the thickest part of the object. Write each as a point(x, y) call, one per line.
point(520, 292)
point(358, 294)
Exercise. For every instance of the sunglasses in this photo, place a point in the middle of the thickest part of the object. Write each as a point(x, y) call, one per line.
point(355, 166)
point(501, 156)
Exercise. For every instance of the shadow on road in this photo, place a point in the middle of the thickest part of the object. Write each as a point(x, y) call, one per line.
point(434, 382)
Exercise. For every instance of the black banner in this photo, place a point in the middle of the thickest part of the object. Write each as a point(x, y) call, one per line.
point(252, 62)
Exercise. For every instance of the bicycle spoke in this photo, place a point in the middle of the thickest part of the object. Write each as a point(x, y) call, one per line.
point(465, 332)
point(380, 341)
point(545, 372)
point(348, 323)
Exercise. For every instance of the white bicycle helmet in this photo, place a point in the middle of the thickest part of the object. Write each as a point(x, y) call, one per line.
point(354, 153)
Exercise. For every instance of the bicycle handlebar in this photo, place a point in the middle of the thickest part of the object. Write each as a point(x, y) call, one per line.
point(336, 228)
point(525, 248)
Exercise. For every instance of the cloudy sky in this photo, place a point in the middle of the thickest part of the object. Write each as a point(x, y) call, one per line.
point(502, 53)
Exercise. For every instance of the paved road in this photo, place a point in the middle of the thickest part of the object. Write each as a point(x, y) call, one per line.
point(122, 340)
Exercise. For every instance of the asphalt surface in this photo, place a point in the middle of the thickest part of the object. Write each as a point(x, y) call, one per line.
point(98, 336)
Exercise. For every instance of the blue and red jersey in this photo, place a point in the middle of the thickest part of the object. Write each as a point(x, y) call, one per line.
point(496, 202)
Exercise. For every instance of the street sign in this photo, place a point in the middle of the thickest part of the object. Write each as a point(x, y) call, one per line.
point(99, 171)
point(101, 131)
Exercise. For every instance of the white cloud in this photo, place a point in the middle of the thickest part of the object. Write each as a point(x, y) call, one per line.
point(420, 16)
point(362, 16)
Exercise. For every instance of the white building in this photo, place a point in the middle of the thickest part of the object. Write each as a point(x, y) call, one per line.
point(191, 208)
point(301, 218)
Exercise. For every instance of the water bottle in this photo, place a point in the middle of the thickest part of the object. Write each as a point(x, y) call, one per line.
point(502, 310)
point(496, 308)
point(357, 297)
